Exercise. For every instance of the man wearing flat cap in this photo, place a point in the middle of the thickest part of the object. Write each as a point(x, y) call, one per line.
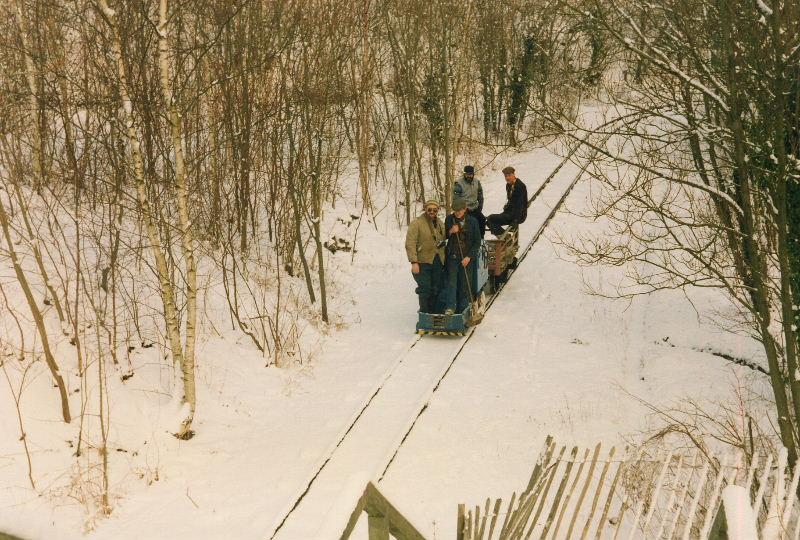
point(463, 241)
point(515, 210)
point(425, 241)
point(469, 188)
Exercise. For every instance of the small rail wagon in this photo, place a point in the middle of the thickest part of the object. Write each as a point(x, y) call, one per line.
point(496, 257)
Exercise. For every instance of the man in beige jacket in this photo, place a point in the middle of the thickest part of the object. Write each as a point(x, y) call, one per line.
point(425, 242)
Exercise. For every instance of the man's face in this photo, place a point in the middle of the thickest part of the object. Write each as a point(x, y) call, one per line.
point(469, 176)
point(431, 211)
point(460, 213)
point(510, 177)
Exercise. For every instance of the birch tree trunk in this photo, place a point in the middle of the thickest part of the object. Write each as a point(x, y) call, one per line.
point(187, 366)
point(38, 163)
point(166, 288)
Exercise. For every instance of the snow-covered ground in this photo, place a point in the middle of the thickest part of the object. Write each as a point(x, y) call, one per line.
point(547, 359)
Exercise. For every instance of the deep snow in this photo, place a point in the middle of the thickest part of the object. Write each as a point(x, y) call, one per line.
point(547, 359)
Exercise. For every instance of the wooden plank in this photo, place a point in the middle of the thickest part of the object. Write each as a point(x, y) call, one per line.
point(672, 497)
point(460, 522)
point(751, 472)
point(541, 462)
point(520, 514)
point(711, 507)
point(546, 491)
point(470, 526)
point(779, 488)
point(762, 487)
point(625, 506)
point(528, 512)
point(496, 512)
point(535, 498)
point(698, 494)
point(483, 520)
point(610, 497)
point(636, 516)
point(524, 513)
point(568, 496)
point(787, 512)
point(399, 525)
point(504, 528)
point(378, 527)
point(589, 478)
point(596, 499)
point(560, 492)
point(656, 491)
point(682, 499)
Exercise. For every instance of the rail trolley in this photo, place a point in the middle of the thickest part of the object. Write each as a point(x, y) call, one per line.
point(496, 258)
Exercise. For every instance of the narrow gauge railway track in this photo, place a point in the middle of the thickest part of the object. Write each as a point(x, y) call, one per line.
point(362, 409)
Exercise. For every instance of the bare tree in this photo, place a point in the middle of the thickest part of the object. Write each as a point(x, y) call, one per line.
point(701, 167)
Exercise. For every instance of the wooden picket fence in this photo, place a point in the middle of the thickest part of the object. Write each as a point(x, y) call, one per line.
point(590, 494)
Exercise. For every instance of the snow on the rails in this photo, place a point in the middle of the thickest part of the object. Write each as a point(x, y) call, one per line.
point(546, 359)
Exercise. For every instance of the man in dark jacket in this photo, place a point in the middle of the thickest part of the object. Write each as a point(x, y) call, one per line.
point(515, 210)
point(463, 241)
point(469, 188)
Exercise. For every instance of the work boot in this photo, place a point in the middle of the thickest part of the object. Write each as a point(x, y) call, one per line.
point(431, 305)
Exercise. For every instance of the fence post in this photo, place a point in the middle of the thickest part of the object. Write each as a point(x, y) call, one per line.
point(377, 525)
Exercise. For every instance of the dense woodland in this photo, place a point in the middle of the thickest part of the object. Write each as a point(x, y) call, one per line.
point(154, 154)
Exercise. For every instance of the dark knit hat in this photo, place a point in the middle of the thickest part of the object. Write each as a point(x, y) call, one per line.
point(469, 169)
point(459, 204)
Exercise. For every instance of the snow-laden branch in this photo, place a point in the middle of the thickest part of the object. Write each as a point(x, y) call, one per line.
point(660, 59)
point(764, 8)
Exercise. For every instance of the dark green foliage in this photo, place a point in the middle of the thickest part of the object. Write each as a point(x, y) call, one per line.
point(521, 81)
point(431, 104)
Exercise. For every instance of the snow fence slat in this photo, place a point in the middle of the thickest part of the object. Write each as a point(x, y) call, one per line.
point(787, 512)
point(560, 492)
point(684, 492)
point(506, 521)
point(600, 485)
point(636, 517)
point(762, 486)
point(587, 483)
point(497, 505)
point(695, 500)
point(772, 525)
point(751, 471)
point(671, 501)
point(610, 498)
point(483, 520)
point(651, 510)
point(543, 496)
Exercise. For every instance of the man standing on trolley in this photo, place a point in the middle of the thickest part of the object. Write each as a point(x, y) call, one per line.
point(425, 241)
point(469, 188)
point(463, 241)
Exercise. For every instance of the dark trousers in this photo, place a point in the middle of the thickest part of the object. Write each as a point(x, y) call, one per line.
point(429, 283)
point(456, 289)
point(496, 221)
point(481, 220)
